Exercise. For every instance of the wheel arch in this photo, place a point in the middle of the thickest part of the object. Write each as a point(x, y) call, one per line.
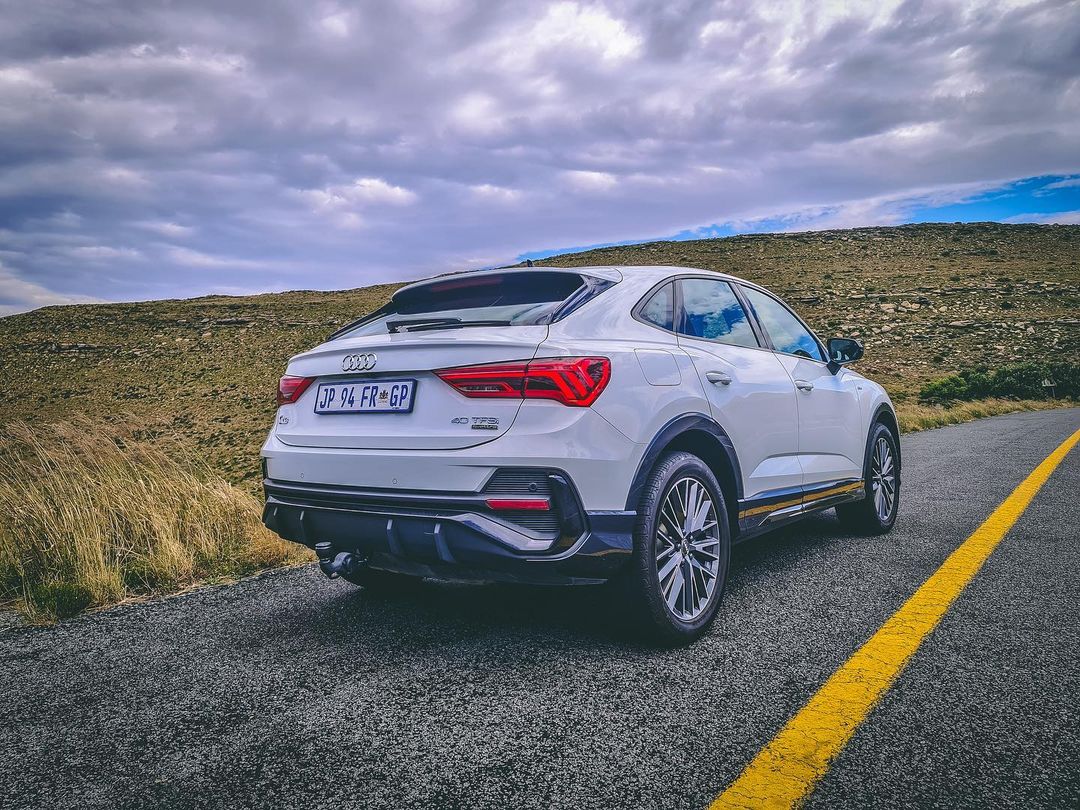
point(705, 438)
point(885, 415)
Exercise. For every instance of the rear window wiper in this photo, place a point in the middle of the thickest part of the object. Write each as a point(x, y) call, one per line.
point(412, 323)
point(419, 324)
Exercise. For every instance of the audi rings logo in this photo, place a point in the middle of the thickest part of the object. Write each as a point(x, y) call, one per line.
point(359, 362)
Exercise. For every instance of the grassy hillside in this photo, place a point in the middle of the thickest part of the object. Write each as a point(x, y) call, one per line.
point(927, 300)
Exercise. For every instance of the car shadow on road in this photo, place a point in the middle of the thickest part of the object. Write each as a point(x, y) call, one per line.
point(435, 614)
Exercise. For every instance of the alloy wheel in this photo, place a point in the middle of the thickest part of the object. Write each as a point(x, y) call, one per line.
point(883, 479)
point(688, 548)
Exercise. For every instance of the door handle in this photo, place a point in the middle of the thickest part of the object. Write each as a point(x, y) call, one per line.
point(718, 378)
point(804, 385)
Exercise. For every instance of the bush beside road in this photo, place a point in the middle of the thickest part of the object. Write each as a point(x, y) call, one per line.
point(97, 516)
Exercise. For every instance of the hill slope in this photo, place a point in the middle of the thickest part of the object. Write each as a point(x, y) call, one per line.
point(926, 299)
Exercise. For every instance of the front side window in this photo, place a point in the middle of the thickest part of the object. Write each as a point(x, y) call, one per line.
point(712, 312)
point(659, 310)
point(786, 331)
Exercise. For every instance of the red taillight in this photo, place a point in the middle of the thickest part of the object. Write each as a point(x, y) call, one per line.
point(291, 388)
point(576, 381)
point(573, 381)
point(494, 380)
point(509, 504)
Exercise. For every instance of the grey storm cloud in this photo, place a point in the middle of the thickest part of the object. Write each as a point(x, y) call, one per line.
point(158, 149)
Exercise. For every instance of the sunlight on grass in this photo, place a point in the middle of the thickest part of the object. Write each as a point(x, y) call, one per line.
point(95, 515)
point(914, 416)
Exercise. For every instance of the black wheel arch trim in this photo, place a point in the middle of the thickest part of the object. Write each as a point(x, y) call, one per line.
point(666, 435)
point(890, 422)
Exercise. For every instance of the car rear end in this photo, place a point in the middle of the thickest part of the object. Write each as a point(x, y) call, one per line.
point(435, 438)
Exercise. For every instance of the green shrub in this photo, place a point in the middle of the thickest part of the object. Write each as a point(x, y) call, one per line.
point(1016, 381)
point(60, 599)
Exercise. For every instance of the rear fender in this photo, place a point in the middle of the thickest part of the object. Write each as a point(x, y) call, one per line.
point(685, 433)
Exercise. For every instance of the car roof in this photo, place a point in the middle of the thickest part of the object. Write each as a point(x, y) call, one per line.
point(651, 273)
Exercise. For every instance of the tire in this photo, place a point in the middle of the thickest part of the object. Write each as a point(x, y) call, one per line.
point(664, 606)
point(876, 513)
point(382, 581)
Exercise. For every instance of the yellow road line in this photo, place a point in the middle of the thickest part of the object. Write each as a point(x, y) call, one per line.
point(786, 770)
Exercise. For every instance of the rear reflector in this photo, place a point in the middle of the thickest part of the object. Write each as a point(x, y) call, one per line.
point(575, 381)
point(291, 389)
point(507, 504)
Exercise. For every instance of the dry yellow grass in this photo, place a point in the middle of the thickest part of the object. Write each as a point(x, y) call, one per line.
point(94, 516)
point(914, 416)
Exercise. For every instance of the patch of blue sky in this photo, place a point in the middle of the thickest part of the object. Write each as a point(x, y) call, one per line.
point(1033, 199)
point(1047, 198)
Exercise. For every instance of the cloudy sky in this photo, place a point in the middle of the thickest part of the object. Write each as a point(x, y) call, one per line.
point(154, 149)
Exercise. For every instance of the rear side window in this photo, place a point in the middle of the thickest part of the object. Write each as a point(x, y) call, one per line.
point(712, 312)
point(492, 299)
point(785, 330)
point(659, 308)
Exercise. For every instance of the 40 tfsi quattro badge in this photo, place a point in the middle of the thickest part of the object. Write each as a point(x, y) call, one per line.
point(637, 422)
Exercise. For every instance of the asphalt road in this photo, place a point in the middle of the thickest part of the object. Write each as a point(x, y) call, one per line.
point(290, 690)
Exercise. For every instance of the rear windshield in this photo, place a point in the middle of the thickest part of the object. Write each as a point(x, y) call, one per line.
point(497, 299)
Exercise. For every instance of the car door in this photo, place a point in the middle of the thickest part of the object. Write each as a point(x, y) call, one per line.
point(831, 436)
point(749, 393)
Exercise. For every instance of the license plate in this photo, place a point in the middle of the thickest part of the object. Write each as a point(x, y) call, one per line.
point(383, 396)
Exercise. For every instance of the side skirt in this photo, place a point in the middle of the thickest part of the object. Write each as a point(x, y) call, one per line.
point(772, 509)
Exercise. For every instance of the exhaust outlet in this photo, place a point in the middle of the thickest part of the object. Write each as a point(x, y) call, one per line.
point(334, 565)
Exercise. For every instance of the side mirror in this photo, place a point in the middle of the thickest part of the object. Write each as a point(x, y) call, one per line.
point(843, 351)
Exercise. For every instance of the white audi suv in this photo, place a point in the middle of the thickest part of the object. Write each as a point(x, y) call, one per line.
point(587, 425)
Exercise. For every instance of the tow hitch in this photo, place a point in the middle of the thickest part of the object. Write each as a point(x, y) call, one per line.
point(334, 565)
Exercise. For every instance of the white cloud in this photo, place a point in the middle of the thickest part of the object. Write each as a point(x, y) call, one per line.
point(891, 209)
point(337, 24)
point(123, 177)
point(590, 181)
point(586, 27)
point(364, 191)
point(19, 295)
point(477, 113)
point(1068, 182)
point(492, 193)
point(373, 141)
point(171, 230)
point(1059, 218)
point(102, 253)
point(197, 259)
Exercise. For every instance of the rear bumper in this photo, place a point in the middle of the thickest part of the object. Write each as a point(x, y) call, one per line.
point(594, 455)
point(451, 536)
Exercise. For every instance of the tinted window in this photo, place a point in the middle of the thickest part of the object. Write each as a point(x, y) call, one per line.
point(516, 299)
point(711, 311)
point(784, 329)
point(660, 308)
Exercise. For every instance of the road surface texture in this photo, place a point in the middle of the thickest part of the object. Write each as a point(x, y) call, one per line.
point(289, 690)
